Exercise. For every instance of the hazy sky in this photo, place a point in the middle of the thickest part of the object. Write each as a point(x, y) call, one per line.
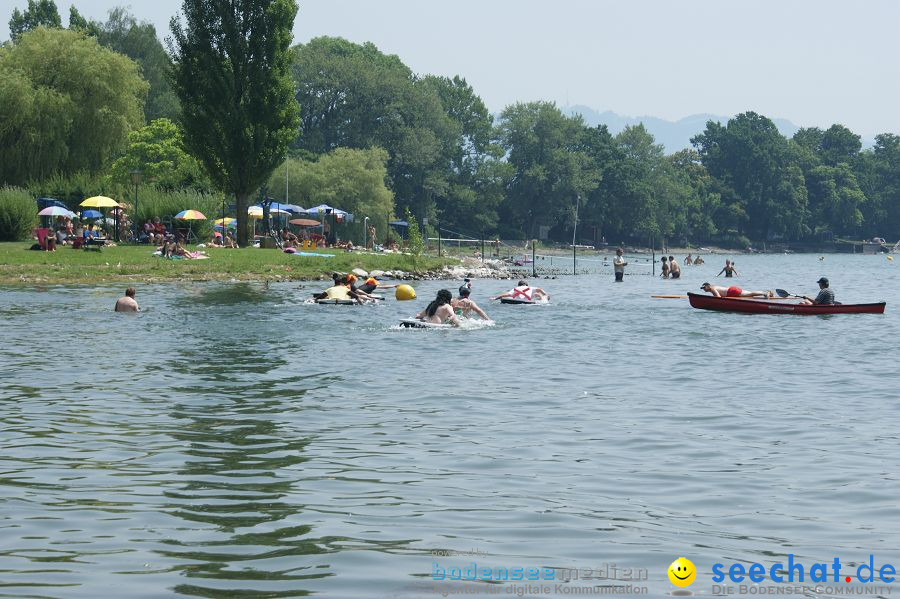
point(814, 62)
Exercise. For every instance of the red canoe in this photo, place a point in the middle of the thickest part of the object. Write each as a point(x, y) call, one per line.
point(754, 306)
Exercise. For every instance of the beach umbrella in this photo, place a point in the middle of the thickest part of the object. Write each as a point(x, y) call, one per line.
point(56, 211)
point(227, 221)
point(99, 202)
point(305, 222)
point(324, 208)
point(190, 215)
point(91, 214)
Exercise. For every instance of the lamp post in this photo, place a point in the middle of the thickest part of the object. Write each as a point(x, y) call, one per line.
point(136, 179)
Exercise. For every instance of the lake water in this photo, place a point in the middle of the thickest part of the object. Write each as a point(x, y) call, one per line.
point(232, 441)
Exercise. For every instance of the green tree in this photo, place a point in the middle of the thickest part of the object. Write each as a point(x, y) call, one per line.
point(355, 96)
point(157, 150)
point(475, 174)
point(40, 13)
point(835, 199)
point(701, 202)
point(67, 104)
point(138, 41)
point(754, 166)
point(839, 144)
point(551, 171)
point(79, 23)
point(232, 75)
point(349, 179)
point(416, 242)
point(879, 178)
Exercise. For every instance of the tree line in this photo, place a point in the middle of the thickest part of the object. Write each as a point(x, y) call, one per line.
point(344, 123)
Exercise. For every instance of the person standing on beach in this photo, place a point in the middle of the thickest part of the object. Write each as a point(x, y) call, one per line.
point(127, 303)
point(728, 269)
point(619, 265)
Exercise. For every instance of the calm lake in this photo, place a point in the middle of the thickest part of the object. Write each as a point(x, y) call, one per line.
point(233, 441)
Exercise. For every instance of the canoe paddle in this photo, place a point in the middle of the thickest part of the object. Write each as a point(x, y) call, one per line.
point(786, 294)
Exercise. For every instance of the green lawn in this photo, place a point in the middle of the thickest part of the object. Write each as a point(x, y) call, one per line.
point(19, 265)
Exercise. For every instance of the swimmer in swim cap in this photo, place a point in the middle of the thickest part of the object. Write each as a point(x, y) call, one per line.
point(463, 305)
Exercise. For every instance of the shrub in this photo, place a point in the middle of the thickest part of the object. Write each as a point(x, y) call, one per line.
point(18, 214)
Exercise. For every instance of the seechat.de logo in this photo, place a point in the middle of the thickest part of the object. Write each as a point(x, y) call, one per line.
point(682, 572)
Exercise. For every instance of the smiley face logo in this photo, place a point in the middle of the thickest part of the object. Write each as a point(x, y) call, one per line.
point(682, 572)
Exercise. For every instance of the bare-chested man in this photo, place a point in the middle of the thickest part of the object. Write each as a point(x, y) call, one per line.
point(127, 303)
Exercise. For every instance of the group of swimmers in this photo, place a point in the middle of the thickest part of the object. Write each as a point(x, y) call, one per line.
point(445, 309)
point(345, 288)
point(671, 270)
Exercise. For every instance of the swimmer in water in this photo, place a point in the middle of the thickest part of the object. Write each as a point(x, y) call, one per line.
point(523, 292)
point(440, 311)
point(463, 306)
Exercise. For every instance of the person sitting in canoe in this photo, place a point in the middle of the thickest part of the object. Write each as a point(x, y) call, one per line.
point(733, 291)
point(525, 293)
point(440, 311)
point(826, 295)
point(463, 306)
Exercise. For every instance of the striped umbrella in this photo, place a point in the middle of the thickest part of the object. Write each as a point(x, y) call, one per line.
point(190, 215)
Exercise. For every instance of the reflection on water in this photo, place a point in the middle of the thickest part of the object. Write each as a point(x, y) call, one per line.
point(232, 441)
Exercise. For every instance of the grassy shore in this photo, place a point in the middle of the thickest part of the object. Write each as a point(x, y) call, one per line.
point(21, 266)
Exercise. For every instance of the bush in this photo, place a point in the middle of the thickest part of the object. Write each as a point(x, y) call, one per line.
point(72, 189)
point(18, 214)
point(733, 240)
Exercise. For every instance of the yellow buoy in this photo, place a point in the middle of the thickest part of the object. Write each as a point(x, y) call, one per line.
point(891, 258)
point(405, 292)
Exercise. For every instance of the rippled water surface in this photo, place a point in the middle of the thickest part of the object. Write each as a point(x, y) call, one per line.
point(232, 441)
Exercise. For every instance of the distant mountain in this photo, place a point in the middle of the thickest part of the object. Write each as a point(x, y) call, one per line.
point(674, 136)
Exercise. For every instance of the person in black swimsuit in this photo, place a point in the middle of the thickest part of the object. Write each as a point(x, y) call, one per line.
point(728, 269)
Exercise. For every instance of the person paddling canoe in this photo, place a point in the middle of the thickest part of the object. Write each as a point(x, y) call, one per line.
point(733, 291)
point(826, 295)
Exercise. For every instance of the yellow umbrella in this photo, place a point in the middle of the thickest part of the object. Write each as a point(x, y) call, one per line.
point(226, 221)
point(100, 202)
point(254, 212)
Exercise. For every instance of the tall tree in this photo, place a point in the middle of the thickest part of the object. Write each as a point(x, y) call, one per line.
point(157, 150)
point(755, 166)
point(355, 96)
point(232, 74)
point(70, 104)
point(551, 170)
point(40, 13)
point(138, 41)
